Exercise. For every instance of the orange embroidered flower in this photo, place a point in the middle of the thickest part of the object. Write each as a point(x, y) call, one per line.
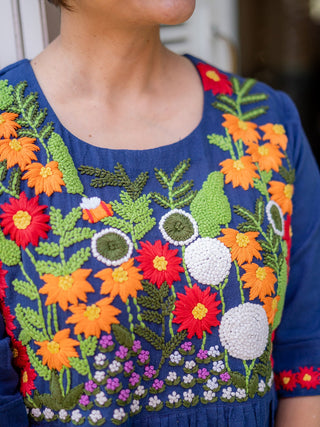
point(282, 194)
point(239, 129)
point(267, 155)
point(240, 172)
point(8, 125)
point(271, 307)
point(66, 289)
point(55, 353)
point(243, 245)
point(123, 281)
point(94, 210)
point(213, 80)
point(260, 280)
point(93, 319)
point(18, 151)
point(276, 134)
point(45, 179)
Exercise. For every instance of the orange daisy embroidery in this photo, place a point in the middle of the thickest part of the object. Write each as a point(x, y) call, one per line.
point(239, 129)
point(55, 353)
point(243, 245)
point(267, 155)
point(66, 289)
point(260, 280)
point(276, 134)
point(282, 194)
point(271, 307)
point(93, 319)
point(45, 179)
point(123, 281)
point(18, 151)
point(8, 125)
point(240, 172)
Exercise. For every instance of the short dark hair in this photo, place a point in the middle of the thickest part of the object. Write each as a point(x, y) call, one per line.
point(62, 3)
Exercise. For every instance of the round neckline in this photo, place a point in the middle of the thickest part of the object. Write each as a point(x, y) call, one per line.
point(81, 142)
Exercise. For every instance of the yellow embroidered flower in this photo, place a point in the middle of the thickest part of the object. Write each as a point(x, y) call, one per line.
point(45, 179)
point(239, 129)
point(8, 125)
point(18, 151)
point(243, 245)
point(260, 280)
point(240, 172)
point(271, 307)
point(282, 194)
point(267, 155)
point(276, 134)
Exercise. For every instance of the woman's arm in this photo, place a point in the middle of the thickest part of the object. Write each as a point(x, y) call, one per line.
point(299, 412)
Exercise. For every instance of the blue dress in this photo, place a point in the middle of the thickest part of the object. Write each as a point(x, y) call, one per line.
point(170, 286)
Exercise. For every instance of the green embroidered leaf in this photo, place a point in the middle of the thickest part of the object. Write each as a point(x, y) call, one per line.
point(180, 170)
point(77, 260)
point(144, 227)
point(41, 369)
point(169, 305)
point(48, 249)
point(260, 369)
point(282, 287)
point(88, 346)
point(244, 227)
point(46, 131)
point(220, 141)
point(72, 398)
point(260, 186)
point(80, 365)
point(224, 108)
point(174, 342)
point(55, 387)
point(155, 340)
point(259, 210)
point(56, 221)
point(211, 207)
point(122, 335)
point(6, 98)
point(24, 337)
point(119, 223)
point(235, 84)
point(256, 112)
point(270, 260)
point(253, 385)
point(72, 218)
point(10, 253)
point(29, 133)
point(27, 317)
point(160, 200)
point(238, 380)
point(60, 154)
point(148, 302)
point(228, 100)
point(76, 235)
point(246, 87)
point(266, 176)
point(244, 213)
point(27, 289)
point(152, 316)
point(287, 175)
point(183, 189)
point(3, 170)
point(162, 177)
point(151, 289)
point(39, 119)
point(49, 267)
point(15, 180)
point(251, 99)
point(164, 290)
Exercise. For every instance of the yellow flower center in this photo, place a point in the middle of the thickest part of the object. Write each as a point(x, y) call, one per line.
point(45, 171)
point(288, 191)
point(120, 275)
point(65, 282)
point(2, 120)
point(237, 164)
point(160, 263)
point(200, 311)
point(290, 231)
point(274, 305)
point(307, 377)
point(15, 353)
point(286, 380)
point(242, 240)
point(213, 76)
point(242, 125)
point(25, 377)
point(15, 145)
point(263, 150)
point(279, 129)
point(53, 347)
point(22, 220)
point(261, 273)
point(92, 312)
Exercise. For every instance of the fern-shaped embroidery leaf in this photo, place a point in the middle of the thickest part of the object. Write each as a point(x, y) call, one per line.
point(260, 186)
point(76, 235)
point(3, 170)
point(244, 227)
point(256, 112)
point(31, 321)
point(141, 229)
point(180, 170)
point(49, 249)
point(70, 220)
point(224, 108)
point(41, 369)
point(164, 290)
point(238, 380)
point(162, 178)
point(119, 223)
point(88, 346)
point(228, 100)
point(149, 302)
point(270, 260)
point(40, 118)
point(183, 189)
point(6, 98)
point(50, 267)
point(46, 131)
point(15, 181)
point(220, 141)
point(27, 289)
point(24, 337)
point(80, 365)
point(287, 175)
point(10, 253)
point(246, 87)
point(151, 290)
point(152, 316)
point(259, 210)
point(155, 340)
point(56, 221)
point(185, 200)
point(235, 84)
point(77, 260)
point(174, 342)
point(29, 133)
point(282, 287)
point(250, 99)
point(160, 200)
point(122, 335)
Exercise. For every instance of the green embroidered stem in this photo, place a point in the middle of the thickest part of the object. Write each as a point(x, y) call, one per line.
point(68, 380)
point(248, 372)
point(185, 267)
point(239, 147)
point(220, 289)
point(12, 193)
point(31, 256)
point(85, 358)
point(61, 380)
point(55, 317)
point(232, 153)
point(171, 314)
point(204, 339)
point(130, 318)
point(264, 182)
point(49, 319)
point(226, 360)
point(139, 312)
point(240, 281)
point(133, 236)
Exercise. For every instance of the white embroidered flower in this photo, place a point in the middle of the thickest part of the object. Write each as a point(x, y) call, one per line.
point(188, 395)
point(209, 395)
point(63, 414)
point(175, 357)
point(111, 246)
point(174, 397)
point(101, 398)
point(214, 351)
point(90, 202)
point(178, 227)
point(140, 390)
point(114, 366)
point(76, 415)
point(48, 414)
point(187, 378)
point(241, 393)
point(154, 401)
point(95, 415)
point(244, 331)
point(212, 383)
point(227, 393)
point(270, 382)
point(119, 414)
point(261, 386)
point(99, 376)
point(208, 261)
point(35, 412)
point(134, 407)
point(275, 217)
point(100, 359)
point(190, 364)
point(218, 366)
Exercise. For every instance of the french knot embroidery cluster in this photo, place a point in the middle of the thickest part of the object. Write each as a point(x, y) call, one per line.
point(152, 327)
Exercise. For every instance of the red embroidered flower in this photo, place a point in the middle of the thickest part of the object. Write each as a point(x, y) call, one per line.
point(308, 378)
point(213, 80)
point(288, 238)
point(196, 311)
point(19, 354)
point(159, 264)
point(287, 380)
point(3, 285)
point(8, 319)
point(24, 220)
point(27, 377)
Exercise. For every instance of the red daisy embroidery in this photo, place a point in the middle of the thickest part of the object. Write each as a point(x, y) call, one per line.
point(19, 354)
point(27, 377)
point(3, 285)
point(287, 380)
point(8, 319)
point(159, 263)
point(213, 80)
point(24, 220)
point(288, 238)
point(308, 378)
point(196, 311)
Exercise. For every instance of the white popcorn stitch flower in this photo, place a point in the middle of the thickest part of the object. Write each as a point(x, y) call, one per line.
point(188, 395)
point(214, 351)
point(100, 359)
point(261, 386)
point(63, 414)
point(212, 383)
point(140, 390)
point(209, 395)
point(227, 393)
point(187, 378)
point(119, 414)
point(76, 415)
point(172, 376)
point(48, 414)
point(241, 393)
point(99, 376)
point(154, 401)
point(101, 398)
point(134, 407)
point(218, 366)
point(90, 202)
point(35, 412)
point(114, 366)
point(95, 415)
point(175, 357)
point(190, 364)
point(174, 397)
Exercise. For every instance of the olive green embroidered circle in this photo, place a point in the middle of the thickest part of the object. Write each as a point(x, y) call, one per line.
point(275, 217)
point(178, 227)
point(111, 246)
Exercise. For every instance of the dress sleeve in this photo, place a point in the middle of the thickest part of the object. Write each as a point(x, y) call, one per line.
point(297, 339)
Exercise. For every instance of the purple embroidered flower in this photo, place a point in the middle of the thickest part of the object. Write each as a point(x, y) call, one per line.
point(225, 377)
point(84, 400)
point(203, 373)
point(122, 352)
point(134, 379)
point(112, 383)
point(90, 386)
point(202, 354)
point(128, 366)
point(186, 346)
point(149, 371)
point(124, 394)
point(158, 384)
point(136, 346)
point(143, 356)
point(106, 341)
